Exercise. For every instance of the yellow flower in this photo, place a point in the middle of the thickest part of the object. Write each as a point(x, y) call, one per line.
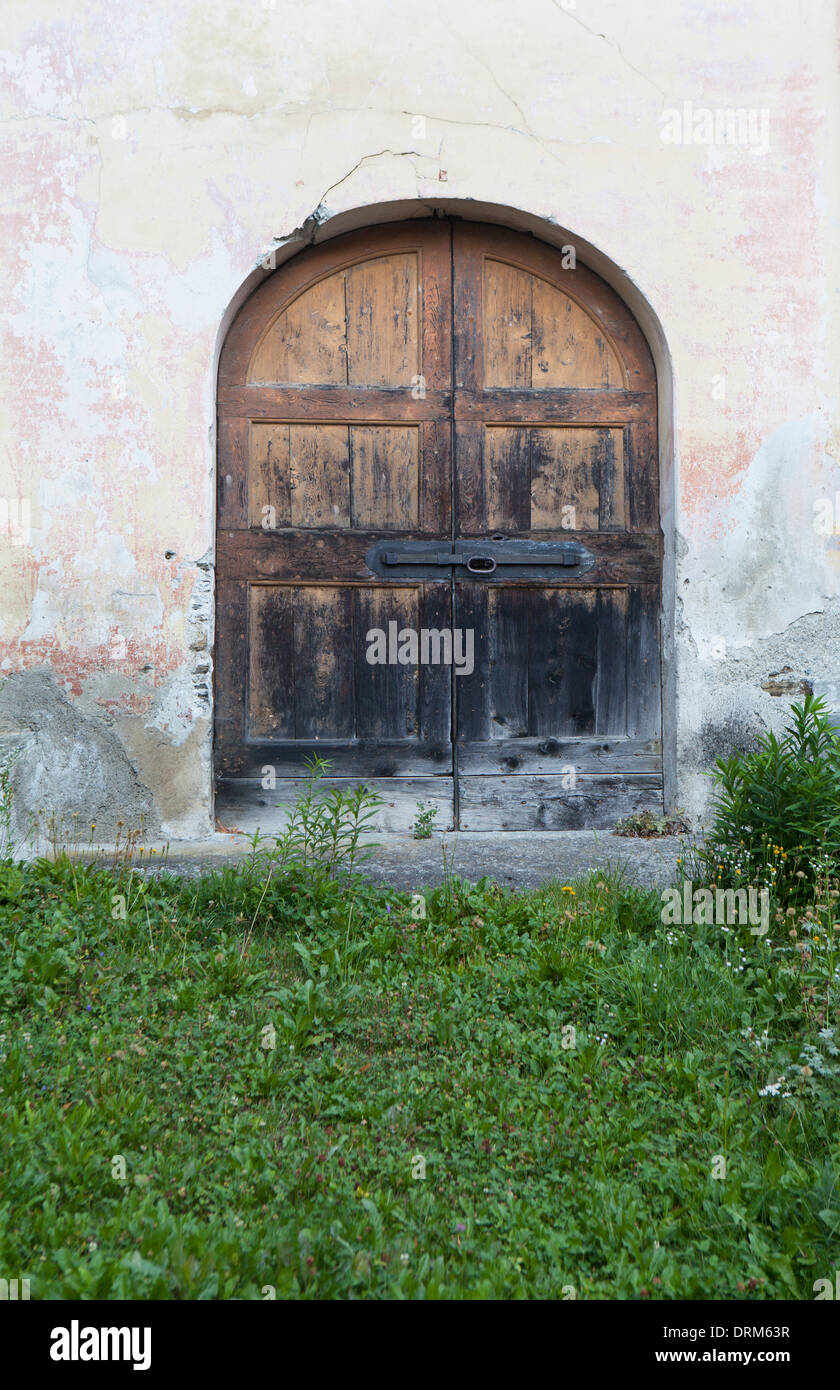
point(567, 890)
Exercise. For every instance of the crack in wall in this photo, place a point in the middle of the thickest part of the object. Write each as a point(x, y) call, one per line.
point(596, 34)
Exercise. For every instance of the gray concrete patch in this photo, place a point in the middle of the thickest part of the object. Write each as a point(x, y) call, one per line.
point(69, 765)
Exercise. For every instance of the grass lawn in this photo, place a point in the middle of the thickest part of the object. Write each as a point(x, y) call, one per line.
point(239, 1085)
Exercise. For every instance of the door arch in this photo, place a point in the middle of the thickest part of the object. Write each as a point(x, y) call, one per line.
point(443, 393)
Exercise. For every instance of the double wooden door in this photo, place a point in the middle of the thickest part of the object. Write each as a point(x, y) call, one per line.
point(439, 438)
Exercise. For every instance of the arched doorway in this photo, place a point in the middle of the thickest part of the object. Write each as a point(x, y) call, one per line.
point(438, 550)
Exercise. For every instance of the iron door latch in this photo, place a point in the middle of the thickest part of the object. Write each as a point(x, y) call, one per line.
point(525, 559)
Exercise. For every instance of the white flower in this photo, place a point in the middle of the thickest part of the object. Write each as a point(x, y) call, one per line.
point(773, 1087)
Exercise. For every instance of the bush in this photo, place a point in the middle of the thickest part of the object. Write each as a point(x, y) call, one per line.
point(776, 811)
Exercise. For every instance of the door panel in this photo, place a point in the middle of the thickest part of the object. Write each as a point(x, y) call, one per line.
point(540, 478)
point(537, 336)
point(309, 693)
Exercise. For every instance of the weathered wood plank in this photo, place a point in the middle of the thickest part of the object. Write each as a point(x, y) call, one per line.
point(383, 321)
point(643, 472)
point(509, 638)
point(506, 463)
point(232, 477)
point(644, 699)
point(436, 682)
point(385, 477)
point(562, 661)
point(611, 661)
point(307, 341)
point(271, 665)
point(611, 470)
point(335, 404)
point(319, 475)
point(230, 665)
point(508, 322)
point(554, 756)
point(526, 802)
point(472, 692)
point(574, 407)
point(247, 807)
point(269, 475)
point(621, 558)
point(387, 696)
point(565, 478)
point(324, 662)
point(435, 487)
point(360, 758)
point(570, 346)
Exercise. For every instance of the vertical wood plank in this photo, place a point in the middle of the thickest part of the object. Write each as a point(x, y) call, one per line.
point(471, 610)
point(269, 481)
point(435, 294)
point(562, 659)
point(435, 682)
point(610, 473)
point(385, 476)
point(470, 479)
point(507, 325)
point(271, 668)
point(564, 473)
point(230, 665)
point(468, 305)
point(434, 501)
point(383, 322)
point(508, 623)
point(324, 656)
point(644, 713)
point(232, 476)
point(611, 682)
point(386, 695)
point(507, 478)
point(643, 475)
point(319, 472)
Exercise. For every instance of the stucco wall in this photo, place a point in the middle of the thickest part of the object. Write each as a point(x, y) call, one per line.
point(153, 155)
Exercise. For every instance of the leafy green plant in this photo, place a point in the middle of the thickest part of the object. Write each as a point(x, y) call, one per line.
point(325, 826)
point(776, 810)
point(424, 821)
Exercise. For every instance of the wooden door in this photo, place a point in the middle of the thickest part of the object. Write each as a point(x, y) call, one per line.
point(555, 424)
point(334, 431)
point(349, 420)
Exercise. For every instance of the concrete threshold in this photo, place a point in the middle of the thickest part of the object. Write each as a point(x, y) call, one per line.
point(519, 859)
